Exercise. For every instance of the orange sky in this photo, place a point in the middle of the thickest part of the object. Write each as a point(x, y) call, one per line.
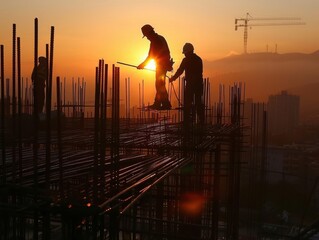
point(86, 31)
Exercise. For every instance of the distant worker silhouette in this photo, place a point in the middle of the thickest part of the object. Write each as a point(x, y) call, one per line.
point(39, 76)
point(160, 53)
point(193, 67)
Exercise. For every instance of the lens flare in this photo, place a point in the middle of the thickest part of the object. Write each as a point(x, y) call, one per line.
point(192, 203)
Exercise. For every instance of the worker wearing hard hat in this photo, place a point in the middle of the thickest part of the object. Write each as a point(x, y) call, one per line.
point(193, 67)
point(39, 76)
point(160, 53)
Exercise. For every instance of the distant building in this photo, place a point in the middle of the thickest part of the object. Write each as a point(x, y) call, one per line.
point(295, 163)
point(255, 120)
point(283, 113)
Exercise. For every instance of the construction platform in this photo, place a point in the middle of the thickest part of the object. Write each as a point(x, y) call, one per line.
point(149, 181)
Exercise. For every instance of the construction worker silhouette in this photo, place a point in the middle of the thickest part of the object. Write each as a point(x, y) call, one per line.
point(39, 76)
point(193, 67)
point(160, 53)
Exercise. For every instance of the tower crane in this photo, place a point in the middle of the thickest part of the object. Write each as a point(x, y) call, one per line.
point(245, 23)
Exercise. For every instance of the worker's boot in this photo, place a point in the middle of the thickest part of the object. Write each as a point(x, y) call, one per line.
point(166, 105)
point(156, 105)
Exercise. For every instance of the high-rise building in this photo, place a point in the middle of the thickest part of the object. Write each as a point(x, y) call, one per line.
point(283, 113)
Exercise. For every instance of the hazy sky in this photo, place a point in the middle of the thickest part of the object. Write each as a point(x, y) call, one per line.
point(87, 30)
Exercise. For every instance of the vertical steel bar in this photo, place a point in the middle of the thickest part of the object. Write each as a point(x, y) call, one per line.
point(14, 102)
point(114, 231)
point(46, 214)
point(97, 143)
point(143, 102)
point(104, 79)
point(26, 97)
point(129, 98)
point(4, 229)
point(96, 135)
point(79, 95)
point(140, 99)
point(14, 39)
point(48, 111)
point(115, 119)
point(103, 142)
point(36, 129)
point(84, 94)
point(19, 108)
point(3, 139)
point(238, 150)
point(216, 193)
point(105, 89)
point(101, 76)
point(72, 103)
point(179, 100)
point(51, 66)
point(207, 101)
point(64, 86)
point(48, 122)
point(102, 131)
point(59, 136)
point(36, 117)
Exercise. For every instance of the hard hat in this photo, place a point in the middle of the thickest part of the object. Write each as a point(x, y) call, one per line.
point(147, 29)
point(42, 59)
point(188, 47)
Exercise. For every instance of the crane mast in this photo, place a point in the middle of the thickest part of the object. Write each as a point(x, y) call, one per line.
point(245, 23)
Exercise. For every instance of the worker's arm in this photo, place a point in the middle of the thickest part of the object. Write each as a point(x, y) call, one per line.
point(144, 63)
point(179, 72)
point(148, 58)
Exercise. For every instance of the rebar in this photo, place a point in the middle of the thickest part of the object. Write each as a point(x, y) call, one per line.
point(125, 176)
point(3, 139)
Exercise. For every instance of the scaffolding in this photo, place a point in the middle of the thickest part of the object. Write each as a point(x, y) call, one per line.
point(118, 178)
point(100, 177)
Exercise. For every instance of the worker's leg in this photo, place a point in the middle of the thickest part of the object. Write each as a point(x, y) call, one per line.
point(161, 92)
point(188, 98)
point(200, 108)
point(39, 98)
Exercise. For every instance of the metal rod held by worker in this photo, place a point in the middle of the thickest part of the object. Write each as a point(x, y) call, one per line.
point(126, 64)
point(131, 65)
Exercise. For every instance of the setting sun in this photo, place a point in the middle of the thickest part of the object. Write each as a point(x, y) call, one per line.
point(151, 65)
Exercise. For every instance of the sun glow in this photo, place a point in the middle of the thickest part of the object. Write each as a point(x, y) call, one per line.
point(151, 65)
